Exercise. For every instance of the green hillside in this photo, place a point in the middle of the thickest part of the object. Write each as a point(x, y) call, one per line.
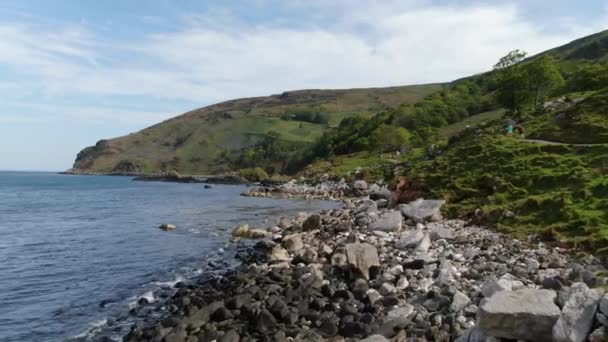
point(214, 139)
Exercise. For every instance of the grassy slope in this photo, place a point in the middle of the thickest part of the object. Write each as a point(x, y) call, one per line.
point(192, 142)
point(557, 191)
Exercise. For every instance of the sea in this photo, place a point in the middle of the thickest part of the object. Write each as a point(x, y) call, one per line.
point(80, 255)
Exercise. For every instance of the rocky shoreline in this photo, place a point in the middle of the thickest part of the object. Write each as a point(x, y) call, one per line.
point(366, 272)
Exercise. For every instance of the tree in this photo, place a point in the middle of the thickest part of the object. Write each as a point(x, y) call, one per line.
point(543, 77)
point(512, 81)
point(389, 138)
point(511, 59)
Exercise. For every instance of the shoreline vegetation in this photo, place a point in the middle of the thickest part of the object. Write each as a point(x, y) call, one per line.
point(367, 272)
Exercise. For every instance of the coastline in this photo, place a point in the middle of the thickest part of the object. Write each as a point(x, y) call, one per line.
point(366, 272)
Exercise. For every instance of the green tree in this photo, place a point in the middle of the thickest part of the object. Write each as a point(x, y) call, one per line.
point(510, 59)
point(512, 90)
point(389, 138)
point(543, 76)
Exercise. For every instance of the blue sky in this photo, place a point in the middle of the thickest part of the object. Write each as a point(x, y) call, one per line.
point(74, 72)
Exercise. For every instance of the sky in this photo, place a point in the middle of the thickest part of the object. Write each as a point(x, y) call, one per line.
point(73, 72)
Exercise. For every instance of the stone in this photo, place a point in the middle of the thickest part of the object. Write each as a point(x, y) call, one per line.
point(438, 231)
point(505, 283)
point(459, 301)
point(375, 338)
point(278, 253)
point(410, 239)
point(472, 334)
point(361, 257)
point(360, 185)
point(339, 259)
point(230, 336)
point(265, 322)
point(604, 304)
point(243, 231)
point(372, 296)
point(424, 245)
point(525, 314)
point(167, 226)
point(313, 222)
point(389, 221)
point(598, 335)
point(421, 210)
point(396, 319)
point(386, 289)
point(402, 283)
point(293, 242)
point(577, 316)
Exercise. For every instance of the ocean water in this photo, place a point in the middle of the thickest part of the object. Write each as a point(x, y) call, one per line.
point(78, 252)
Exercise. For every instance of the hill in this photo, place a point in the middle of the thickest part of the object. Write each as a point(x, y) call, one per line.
point(214, 138)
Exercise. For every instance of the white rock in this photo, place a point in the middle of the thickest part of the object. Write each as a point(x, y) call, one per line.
point(424, 245)
point(459, 301)
point(505, 283)
point(577, 316)
point(410, 240)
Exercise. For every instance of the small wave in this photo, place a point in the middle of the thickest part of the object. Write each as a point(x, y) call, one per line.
point(90, 332)
point(170, 283)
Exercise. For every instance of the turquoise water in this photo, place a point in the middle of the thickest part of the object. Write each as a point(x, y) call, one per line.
point(69, 243)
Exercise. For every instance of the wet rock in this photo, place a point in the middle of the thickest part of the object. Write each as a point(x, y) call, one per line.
point(243, 231)
point(312, 222)
point(525, 314)
point(361, 257)
point(389, 221)
point(421, 210)
point(167, 226)
point(577, 316)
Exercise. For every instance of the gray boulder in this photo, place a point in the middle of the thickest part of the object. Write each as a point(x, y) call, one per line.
point(362, 256)
point(421, 210)
point(410, 239)
point(604, 305)
point(459, 301)
point(577, 316)
point(360, 185)
point(278, 253)
point(472, 334)
point(375, 338)
point(439, 231)
point(424, 245)
point(507, 282)
point(293, 242)
point(525, 314)
point(389, 221)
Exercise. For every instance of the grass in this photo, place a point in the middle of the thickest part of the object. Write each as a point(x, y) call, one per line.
point(558, 192)
point(472, 121)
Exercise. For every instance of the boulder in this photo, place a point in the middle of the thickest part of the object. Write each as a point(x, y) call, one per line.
point(421, 210)
point(424, 245)
point(410, 239)
point(577, 316)
point(604, 304)
point(361, 257)
point(375, 338)
point(389, 221)
point(278, 253)
point(243, 231)
point(525, 314)
point(293, 242)
point(312, 222)
point(167, 226)
point(459, 301)
point(360, 185)
point(472, 334)
point(438, 231)
point(507, 282)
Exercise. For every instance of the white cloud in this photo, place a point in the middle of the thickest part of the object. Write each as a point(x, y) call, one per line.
point(217, 57)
